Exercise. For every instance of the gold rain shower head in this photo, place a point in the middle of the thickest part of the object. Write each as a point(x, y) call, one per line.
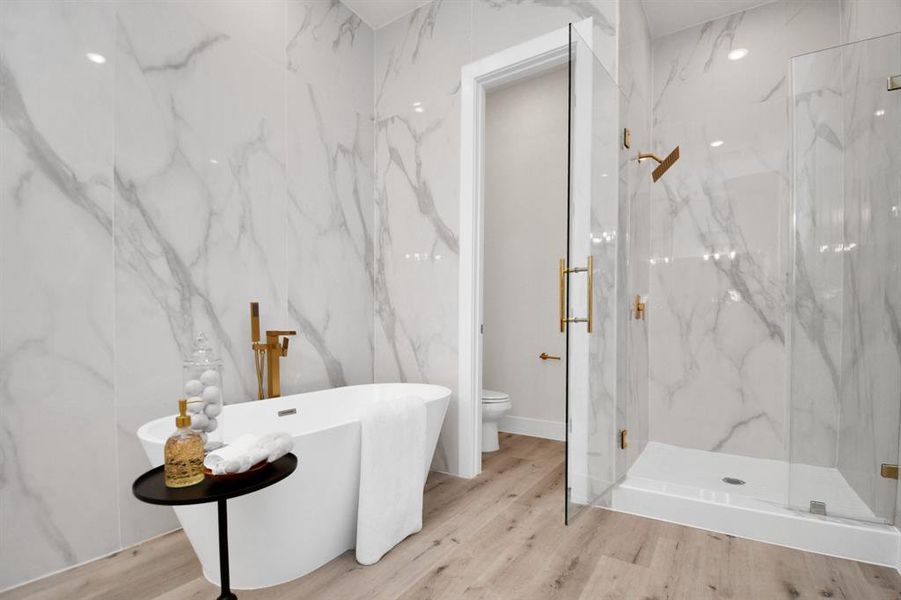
point(663, 165)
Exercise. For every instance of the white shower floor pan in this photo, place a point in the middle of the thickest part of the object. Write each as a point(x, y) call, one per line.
point(685, 486)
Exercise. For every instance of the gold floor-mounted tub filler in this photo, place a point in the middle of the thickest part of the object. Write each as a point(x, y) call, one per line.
point(268, 354)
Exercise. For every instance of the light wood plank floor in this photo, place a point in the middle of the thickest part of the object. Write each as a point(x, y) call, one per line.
point(501, 536)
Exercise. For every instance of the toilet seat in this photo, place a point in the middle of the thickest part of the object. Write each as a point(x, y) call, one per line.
point(492, 397)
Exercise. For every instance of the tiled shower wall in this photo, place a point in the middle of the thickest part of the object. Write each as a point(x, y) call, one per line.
point(719, 227)
point(846, 341)
point(221, 154)
point(635, 82)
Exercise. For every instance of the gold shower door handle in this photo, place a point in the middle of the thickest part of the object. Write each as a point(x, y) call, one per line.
point(589, 270)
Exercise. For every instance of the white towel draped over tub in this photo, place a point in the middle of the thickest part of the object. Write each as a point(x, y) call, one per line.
point(391, 475)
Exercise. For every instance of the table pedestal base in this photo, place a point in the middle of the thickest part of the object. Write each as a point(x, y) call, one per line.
point(223, 553)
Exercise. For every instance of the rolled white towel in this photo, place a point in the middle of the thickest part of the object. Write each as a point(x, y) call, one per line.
point(247, 451)
point(276, 445)
point(231, 451)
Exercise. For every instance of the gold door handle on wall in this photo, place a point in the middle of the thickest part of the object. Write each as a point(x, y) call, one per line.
point(546, 356)
point(589, 270)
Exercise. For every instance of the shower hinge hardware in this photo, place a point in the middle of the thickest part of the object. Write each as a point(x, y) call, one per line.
point(623, 439)
point(817, 507)
point(627, 138)
point(893, 83)
point(889, 471)
point(641, 308)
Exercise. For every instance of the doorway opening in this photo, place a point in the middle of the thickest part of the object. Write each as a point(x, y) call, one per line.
point(524, 235)
point(525, 61)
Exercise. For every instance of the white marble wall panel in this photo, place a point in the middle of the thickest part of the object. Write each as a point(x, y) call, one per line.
point(864, 19)
point(200, 212)
point(417, 82)
point(817, 242)
point(417, 78)
point(221, 154)
point(635, 82)
point(330, 191)
point(499, 24)
point(57, 413)
point(871, 334)
point(718, 223)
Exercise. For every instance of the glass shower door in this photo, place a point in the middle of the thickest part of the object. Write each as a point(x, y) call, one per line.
point(587, 278)
point(845, 306)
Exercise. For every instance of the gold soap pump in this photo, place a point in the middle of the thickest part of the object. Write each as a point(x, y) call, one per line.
point(183, 453)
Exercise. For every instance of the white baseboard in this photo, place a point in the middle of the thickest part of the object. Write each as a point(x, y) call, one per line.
point(549, 430)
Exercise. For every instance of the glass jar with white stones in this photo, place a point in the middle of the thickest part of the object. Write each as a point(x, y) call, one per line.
point(203, 389)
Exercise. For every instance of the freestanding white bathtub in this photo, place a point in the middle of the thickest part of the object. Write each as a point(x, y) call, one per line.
point(285, 531)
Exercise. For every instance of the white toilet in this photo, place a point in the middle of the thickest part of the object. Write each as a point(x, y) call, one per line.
point(494, 406)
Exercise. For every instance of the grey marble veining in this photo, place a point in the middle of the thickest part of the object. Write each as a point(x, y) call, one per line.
point(635, 82)
point(717, 322)
point(222, 153)
point(815, 318)
point(417, 153)
point(417, 82)
point(871, 283)
point(330, 195)
point(200, 209)
point(56, 340)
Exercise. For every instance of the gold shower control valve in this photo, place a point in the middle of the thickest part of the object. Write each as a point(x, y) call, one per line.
point(641, 308)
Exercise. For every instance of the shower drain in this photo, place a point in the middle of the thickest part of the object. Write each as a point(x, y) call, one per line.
point(733, 481)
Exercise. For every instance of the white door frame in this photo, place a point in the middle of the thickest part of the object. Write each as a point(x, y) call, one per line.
point(512, 64)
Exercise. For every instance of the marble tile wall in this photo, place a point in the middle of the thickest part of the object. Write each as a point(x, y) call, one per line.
point(870, 398)
point(57, 337)
point(417, 80)
point(235, 151)
point(845, 341)
point(221, 154)
point(635, 82)
point(717, 316)
point(815, 284)
point(863, 19)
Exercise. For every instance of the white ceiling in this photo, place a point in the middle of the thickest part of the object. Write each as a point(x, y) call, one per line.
point(668, 16)
point(376, 13)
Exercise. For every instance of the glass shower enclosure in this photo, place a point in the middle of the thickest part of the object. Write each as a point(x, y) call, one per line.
point(588, 279)
point(845, 280)
point(842, 251)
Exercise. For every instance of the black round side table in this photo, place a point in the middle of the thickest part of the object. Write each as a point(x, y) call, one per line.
point(151, 488)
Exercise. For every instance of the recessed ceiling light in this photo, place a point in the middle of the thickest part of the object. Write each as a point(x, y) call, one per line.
point(95, 58)
point(738, 54)
point(879, 112)
point(716, 143)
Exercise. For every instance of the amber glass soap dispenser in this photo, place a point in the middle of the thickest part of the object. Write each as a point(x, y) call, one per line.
point(184, 452)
